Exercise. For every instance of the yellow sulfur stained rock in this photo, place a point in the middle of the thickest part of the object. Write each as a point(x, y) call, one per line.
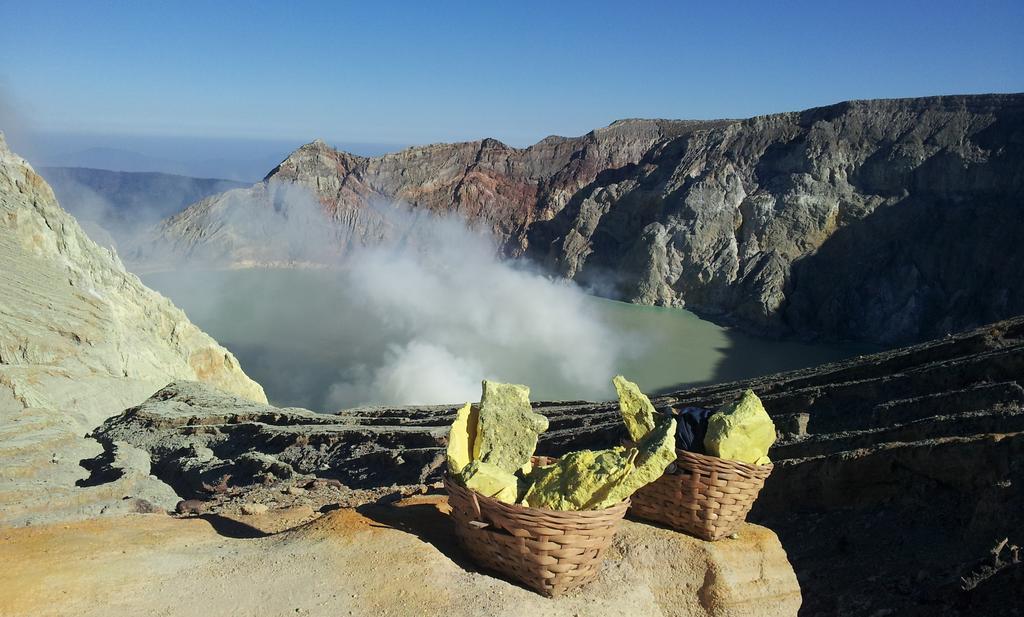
point(647, 462)
point(656, 452)
point(741, 431)
point(637, 410)
point(572, 482)
point(462, 438)
point(589, 480)
point(490, 446)
point(509, 427)
point(492, 481)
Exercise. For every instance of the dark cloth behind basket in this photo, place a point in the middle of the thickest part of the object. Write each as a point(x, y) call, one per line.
point(691, 427)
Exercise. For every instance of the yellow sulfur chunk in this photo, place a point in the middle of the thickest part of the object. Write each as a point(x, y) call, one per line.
point(462, 438)
point(572, 482)
point(594, 480)
point(637, 410)
point(741, 431)
point(647, 463)
point(509, 427)
point(492, 481)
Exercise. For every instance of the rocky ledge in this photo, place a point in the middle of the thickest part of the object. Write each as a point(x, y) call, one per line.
point(395, 559)
point(896, 473)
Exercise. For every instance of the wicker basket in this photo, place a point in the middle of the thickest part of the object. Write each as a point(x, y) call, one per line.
point(707, 496)
point(549, 551)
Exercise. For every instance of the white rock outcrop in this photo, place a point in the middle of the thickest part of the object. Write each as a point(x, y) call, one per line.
point(80, 339)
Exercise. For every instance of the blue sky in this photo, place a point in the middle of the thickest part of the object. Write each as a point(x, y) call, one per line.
point(422, 71)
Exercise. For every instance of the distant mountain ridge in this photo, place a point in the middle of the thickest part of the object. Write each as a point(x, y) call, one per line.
point(132, 161)
point(886, 220)
point(121, 203)
point(240, 159)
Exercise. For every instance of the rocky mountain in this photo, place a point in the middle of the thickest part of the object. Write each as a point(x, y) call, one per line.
point(898, 485)
point(880, 220)
point(497, 188)
point(886, 220)
point(114, 207)
point(80, 338)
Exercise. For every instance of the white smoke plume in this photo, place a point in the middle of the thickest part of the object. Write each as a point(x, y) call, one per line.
point(413, 308)
point(460, 314)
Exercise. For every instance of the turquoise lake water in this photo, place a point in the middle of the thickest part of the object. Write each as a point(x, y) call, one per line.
point(312, 344)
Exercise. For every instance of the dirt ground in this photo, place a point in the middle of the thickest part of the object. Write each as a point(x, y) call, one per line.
point(378, 560)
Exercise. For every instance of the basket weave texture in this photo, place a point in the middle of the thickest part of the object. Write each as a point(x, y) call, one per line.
point(707, 496)
point(548, 551)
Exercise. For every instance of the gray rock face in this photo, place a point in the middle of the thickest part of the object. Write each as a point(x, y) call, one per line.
point(896, 464)
point(197, 435)
point(887, 221)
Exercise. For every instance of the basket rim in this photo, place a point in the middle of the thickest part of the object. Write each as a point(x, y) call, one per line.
point(752, 467)
point(450, 482)
point(712, 459)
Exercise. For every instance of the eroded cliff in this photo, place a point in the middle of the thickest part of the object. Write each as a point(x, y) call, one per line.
point(80, 338)
point(890, 220)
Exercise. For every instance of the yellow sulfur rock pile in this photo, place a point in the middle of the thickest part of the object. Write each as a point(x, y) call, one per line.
point(490, 447)
point(741, 431)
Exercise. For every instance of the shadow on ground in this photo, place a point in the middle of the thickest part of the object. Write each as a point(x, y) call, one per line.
point(427, 520)
point(230, 528)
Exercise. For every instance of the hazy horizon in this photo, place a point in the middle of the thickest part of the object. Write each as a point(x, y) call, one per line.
point(245, 159)
point(415, 74)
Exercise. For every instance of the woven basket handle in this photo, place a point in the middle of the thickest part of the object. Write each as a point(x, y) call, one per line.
point(476, 505)
point(479, 522)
